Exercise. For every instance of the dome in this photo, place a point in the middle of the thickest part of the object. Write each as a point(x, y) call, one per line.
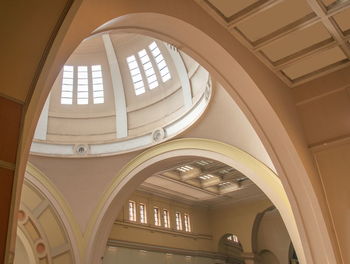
point(120, 92)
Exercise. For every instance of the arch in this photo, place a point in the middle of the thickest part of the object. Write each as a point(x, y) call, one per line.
point(256, 226)
point(168, 154)
point(261, 96)
point(267, 257)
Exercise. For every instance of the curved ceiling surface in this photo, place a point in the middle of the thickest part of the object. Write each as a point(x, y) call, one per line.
point(118, 93)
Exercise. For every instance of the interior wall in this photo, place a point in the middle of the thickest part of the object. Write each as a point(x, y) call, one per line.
point(324, 108)
point(272, 236)
point(237, 219)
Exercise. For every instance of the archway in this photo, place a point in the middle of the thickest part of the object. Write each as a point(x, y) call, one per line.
point(287, 151)
point(166, 155)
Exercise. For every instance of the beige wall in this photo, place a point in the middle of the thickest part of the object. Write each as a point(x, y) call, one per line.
point(208, 224)
point(324, 108)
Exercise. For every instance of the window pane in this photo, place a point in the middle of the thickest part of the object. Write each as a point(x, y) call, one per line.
point(66, 94)
point(98, 94)
point(143, 216)
point(99, 100)
point(147, 66)
point(82, 75)
point(68, 68)
point(83, 101)
point(166, 77)
point(153, 85)
point(156, 52)
point(166, 218)
point(98, 87)
point(96, 74)
point(97, 80)
point(96, 67)
point(67, 74)
point(132, 211)
point(159, 58)
point(144, 59)
point(130, 58)
point(67, 81)
point(156, 216)
point(133, 65)
point(83, 88)
point(152, 78)
point(142, 53)
point(68, 88)
point(152, 46)
point(139, 91)
point(149, 72)
point(134, 71)
point(66, 101)
point(82, 69)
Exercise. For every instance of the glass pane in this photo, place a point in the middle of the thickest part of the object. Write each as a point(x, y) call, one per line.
point(145, 59)
point(159, 58)
point(166, 77)
point(82, 69)
point(130, 58)
point(67, 94)
point(67, 74)
point(98, 87)
point(96, 67)
point(68, 88)
point(136, 78)
point(139, 91)
point(67, 81)
point(138, 85)
point(134, 71)
point(142, 53)
point(66, 101)
point(133, 65)
point(153, 85)
point(97, 81)
point(83, 101)
point(152, 46)
point(99, 100)
point(152, 78)
point(164, 71)
point(98, 94)
point(149, 72)
point(83, 88)
point(83, 81)
point(155, 52)
point(147, 66)
point(96, 74)
point(68, 68)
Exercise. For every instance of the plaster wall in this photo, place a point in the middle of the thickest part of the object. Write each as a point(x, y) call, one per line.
point(324, 108)
point(272, 236)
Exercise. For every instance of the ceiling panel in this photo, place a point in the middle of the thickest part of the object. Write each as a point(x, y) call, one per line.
point(296, 41)
point(229, 7)
point(343, 19)
point(315, 63)
point(274, 18)
point(328, 2)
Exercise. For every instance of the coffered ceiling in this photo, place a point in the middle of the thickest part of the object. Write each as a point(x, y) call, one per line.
point(297, 39)
point(203, 181)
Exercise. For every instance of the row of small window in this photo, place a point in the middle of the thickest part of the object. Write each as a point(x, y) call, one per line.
point(160, 217)
point(147, 71)
point(76, 80)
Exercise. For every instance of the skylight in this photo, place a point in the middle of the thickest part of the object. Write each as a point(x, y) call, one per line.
point(136, 76)
point(97, 84)
point(206, 177)
point(67, 85)
point(158, 57)
point(80, 85)
point(148, 69)
point(83, 85)
point(185, 168)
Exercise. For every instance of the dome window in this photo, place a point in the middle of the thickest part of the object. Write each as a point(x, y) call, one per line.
point(148, 69)
point(67, 85)
point(81, 80)
point(161, 63)
point(97, 84)
point(83, 86)
point(136, 75)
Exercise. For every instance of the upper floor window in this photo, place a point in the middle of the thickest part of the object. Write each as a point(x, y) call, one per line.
point(141, 68)
point(187, 223)
point(166, 219)
point(132, 211)
point(76, 85)
point(178, 221)
point(156, 216)
point(143, 214)
point(232, 238)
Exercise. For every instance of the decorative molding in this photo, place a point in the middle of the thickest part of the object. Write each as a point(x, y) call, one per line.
point(162, 249)
point(164, 230)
